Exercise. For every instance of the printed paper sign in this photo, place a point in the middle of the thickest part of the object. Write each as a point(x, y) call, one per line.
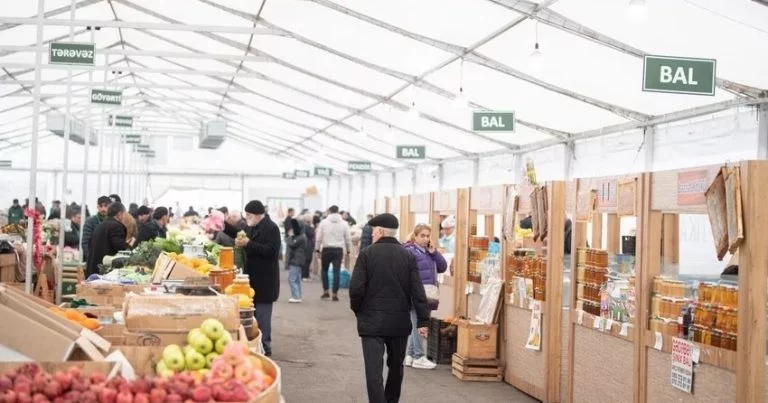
point(691, 187)
point(682, 364)
point(607, 193)
point(534, 333)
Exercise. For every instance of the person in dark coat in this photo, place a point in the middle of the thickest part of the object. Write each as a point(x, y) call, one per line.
point(262, 262)
point(72, 237)
point(296, 242)
point(92, 222)
point(385, 285)
point(156, 227)
point(108, 238)
point(366, 238)
point(309, 231)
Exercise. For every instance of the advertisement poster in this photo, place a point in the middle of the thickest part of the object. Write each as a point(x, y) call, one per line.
point(607, 193)
point(691, 187)
point(682, 365)
point(534, 334)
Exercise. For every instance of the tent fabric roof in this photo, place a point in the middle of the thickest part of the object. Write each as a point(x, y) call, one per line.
point(329, 81)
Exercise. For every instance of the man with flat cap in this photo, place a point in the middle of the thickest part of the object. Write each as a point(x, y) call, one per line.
point(262, 256)
point(385, 285)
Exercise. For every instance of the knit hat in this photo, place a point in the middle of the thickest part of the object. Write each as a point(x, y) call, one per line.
point(449, 222)
point(385, 220)
point(255, 207)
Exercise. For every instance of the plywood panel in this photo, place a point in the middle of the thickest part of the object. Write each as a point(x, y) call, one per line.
point(564, 353)
point(473, 302)
point(445, 201)
point(445, 308)
point(682, 191)
point(710, 384)
point(524, 367)
point(487, 198)
point(420, 203)
point(602, 367)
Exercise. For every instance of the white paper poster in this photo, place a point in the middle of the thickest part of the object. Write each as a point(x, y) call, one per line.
point(534, 334)
point(682, 364)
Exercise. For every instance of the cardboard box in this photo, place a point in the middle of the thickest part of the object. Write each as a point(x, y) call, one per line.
point(8, 267)
point(100, 311)
point(171, 313)
point(476, 340)
point(106, 294)
point(162, 339)
point(88, 367)
point(169, 269)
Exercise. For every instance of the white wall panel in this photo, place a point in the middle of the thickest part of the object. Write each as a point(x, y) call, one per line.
point(549, 163)
point(385, 185)
point(497, 170)
point(457, 174)
point(369, 196)
point(427, 178)
point(608, 156)
point(404, 182)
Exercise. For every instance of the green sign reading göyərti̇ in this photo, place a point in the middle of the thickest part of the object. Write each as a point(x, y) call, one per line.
point(106, 97)
point(71, 53)
point(493, 121)
point(411, 152)
point(359, 166)
point(679, 75)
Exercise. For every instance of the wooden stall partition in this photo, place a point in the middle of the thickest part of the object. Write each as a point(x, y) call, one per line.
point(721, 374)
point(533, 364)
point(461, 254)
point(600, 350)
point(381, 206)
point(485, 203)
point(406, 222)
point(442, 205)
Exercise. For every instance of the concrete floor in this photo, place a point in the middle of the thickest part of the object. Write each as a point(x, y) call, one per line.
point(316, 345)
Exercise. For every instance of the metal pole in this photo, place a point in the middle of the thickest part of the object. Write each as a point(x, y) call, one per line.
point(102, 138)
point(111, 161)
point(87, 146)
point(59, 275)
point(33, 143)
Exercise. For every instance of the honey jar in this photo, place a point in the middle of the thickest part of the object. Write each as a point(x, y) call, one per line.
point(227, 258)
point(241, 285)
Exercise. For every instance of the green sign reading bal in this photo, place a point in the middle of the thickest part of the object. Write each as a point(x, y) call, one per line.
point(71, 53)
point(106, 97)
point(300, 173)
point(679, 75)
point(323, 171)
point(411, 152)
point(498, 122)
point(289, 175)
point(359, 166)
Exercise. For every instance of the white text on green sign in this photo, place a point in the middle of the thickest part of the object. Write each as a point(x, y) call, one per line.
point(289, 175)
point(493, 121)
point(299, 173)
point(121, 121)
point(359, 166)
point(106, 97)
point(71, 53)
point(411, 152)
point(322, 171)
point(679, 75)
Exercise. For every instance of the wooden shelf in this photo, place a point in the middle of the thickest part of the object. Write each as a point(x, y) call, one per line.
point(714, 356)
point(588, 320)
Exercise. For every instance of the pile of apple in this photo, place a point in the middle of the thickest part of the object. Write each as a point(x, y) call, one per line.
point(204, 345)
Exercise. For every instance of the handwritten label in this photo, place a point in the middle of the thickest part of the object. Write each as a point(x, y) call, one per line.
point(624, 329)
point(659, 341)
point(580, 317)
point(597, 324)
point(691, 187)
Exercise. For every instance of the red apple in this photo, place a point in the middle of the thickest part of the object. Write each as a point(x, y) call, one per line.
point(239, 395)
point(124, 398)
point(23, 387)
point(107, 395)
point(9, 396)
point(98, 377)
point(24, 398)
point(60, 399)
point(75, 372)
point(157, 395)
point(5, 384)
point(140, 386)
point(52, 389)
point(141, 397)
point(173, 397)
point(73, 396)
point(89, 397)
point(64, 379)
point(40, 398)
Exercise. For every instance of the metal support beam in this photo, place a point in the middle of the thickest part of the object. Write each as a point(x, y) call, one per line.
point(127, 69)
point(156, 173)
point(762, 132)
point(143, 25)
point(155, 53)
point(393, 193)
point(440, 177)
point(649, 148)
point(476, 172)
point(569, 158)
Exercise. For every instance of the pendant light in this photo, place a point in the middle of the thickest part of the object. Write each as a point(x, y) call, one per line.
point(535, 57)
point(460, 101)
point(413, 113)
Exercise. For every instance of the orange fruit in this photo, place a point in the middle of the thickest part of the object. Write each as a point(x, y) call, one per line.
point(91, 324)
point(268, 379)
point(72, 314)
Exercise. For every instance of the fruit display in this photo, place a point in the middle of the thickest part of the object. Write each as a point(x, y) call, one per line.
point(199, 265)
point(77, 317)
point(236, 363)
point(204, 345)
point(13, 229)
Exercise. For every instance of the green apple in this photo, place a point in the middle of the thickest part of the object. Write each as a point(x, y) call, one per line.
point(162, 370)
point(171, 348)
point(174, 359)
point(210, 357)
point(202, 344)
point(192, 333)
point(213, 329)
point(194, 360)
point(222, 342)
point(204, 371)
point(187, 349)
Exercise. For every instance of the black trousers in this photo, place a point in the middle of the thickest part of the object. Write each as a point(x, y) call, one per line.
point(331, 256)
point(306, 266)
point(373, 354)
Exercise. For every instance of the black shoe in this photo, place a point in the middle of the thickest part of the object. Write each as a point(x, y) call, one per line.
point(325, 296)
point(335, 297)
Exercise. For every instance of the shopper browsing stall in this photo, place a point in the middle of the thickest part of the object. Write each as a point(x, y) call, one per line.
point(262, 262)
point(296, 242)
point(108, 238)
point(448, 239)
point(92, 222)
point(157, 227)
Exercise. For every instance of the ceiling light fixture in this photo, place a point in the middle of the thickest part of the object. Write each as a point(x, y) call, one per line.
point(460, 101)
point(535, 57)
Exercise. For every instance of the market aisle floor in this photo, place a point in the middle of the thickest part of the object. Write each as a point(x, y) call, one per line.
point(316, 345)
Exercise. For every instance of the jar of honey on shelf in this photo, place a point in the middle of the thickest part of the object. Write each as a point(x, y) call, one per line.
point(227, 257)
point(241, 285)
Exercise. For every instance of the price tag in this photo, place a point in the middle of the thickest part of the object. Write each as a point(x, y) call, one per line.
point(624, 329)
point(597, 324)
point(696, 353)
point(659, 341)
point(608, 325)
point(580, 317)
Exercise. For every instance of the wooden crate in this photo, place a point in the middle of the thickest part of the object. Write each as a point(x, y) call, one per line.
point(477, 340)
point(475, 370)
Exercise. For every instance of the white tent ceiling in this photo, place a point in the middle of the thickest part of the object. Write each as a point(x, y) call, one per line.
point(325, 82)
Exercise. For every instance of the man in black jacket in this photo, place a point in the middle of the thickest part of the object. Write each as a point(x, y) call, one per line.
point(72, 237)
point(262, 262)
point(156, 227)
point(92, 222)
point(384, 286)
point(108, 237)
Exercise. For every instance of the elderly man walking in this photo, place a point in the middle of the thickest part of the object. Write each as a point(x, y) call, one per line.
point(385, 286)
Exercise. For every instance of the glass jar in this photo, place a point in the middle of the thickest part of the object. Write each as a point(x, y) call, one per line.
point(226, 257)
point(656, 306)
point(696, 333)
point(716, 338)
point(241, 285)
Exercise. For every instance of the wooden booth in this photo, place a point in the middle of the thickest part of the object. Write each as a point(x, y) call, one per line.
point(532, 321)
point(414, 210)
point(447, 203)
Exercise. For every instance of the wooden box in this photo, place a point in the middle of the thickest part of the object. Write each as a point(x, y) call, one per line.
point(477, 340)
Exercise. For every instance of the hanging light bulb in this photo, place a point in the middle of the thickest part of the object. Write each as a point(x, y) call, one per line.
point(535, 57)
point(413, 113)
point(637, 10)
point(461, 101)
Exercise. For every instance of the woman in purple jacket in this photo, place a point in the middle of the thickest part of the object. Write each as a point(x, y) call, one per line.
point(430, 262)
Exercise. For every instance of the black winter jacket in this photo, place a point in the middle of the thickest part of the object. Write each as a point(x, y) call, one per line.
point(90, 225)
point(366, 238)
point(262, 258)
point(309, 231)
point(107, 239)
point(151, 230)
point(72, 238)
point(385, 285)
point(297, 250)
